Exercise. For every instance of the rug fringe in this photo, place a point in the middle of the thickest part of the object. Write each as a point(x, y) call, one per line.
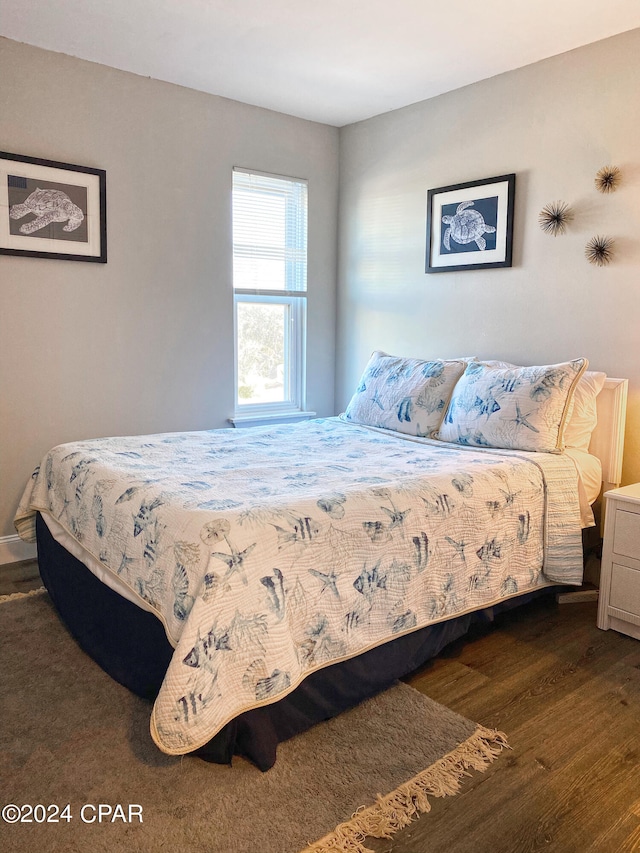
point(399, 808)
point(15, 595)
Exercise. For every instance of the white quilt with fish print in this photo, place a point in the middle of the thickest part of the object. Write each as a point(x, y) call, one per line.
point(271, 552)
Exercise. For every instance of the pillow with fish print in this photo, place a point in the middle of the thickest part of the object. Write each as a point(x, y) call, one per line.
point(407, 395)
point(582, 416)
point(516, 408)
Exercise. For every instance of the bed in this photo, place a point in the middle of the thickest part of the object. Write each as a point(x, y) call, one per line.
point(254, 582)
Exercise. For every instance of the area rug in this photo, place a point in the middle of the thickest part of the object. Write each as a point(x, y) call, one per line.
point(80, 774)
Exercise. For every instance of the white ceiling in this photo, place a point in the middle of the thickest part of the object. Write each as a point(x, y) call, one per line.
point(333, 61)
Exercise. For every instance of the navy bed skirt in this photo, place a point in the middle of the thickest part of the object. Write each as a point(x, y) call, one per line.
point(130, 644)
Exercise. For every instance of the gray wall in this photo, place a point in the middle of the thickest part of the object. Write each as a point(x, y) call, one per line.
point(144, 343)
point(554, 124)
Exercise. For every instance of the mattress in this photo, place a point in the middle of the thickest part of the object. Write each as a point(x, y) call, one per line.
point(270, 555)
point(589, 469)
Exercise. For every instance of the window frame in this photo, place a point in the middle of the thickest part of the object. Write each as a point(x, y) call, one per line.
point(295, 353)
point(295, 335)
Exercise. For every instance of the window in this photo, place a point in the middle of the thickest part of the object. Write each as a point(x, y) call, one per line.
point(270, 290)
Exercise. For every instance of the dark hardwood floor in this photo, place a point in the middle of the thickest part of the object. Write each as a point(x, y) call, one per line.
point(567, 695)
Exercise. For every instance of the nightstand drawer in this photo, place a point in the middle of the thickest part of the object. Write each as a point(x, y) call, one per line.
point(625, 589)
point(626, 537)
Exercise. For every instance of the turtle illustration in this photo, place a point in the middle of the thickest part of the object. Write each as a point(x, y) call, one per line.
point(47, 205)
point(466, 226)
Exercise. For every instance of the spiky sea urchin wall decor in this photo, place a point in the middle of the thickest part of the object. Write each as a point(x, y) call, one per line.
point(599, 250)
point(607, 179)
point(553, 218)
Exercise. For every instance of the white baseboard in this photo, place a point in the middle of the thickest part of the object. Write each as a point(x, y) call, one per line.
point(13, 549)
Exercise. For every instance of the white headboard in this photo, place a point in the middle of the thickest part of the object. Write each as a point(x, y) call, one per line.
point(607, 440)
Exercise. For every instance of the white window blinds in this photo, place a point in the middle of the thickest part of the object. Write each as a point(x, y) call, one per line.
point(269, 234)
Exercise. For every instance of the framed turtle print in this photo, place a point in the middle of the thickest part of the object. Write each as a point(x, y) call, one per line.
point(52, 210)
point(470, 226)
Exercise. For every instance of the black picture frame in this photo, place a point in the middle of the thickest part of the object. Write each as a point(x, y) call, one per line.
point(480, 215)
point(53, 210)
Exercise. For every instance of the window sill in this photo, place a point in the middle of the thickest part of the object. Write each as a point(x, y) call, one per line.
point(264, 419)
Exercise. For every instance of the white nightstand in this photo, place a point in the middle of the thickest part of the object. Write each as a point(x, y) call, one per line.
point(619, 603)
